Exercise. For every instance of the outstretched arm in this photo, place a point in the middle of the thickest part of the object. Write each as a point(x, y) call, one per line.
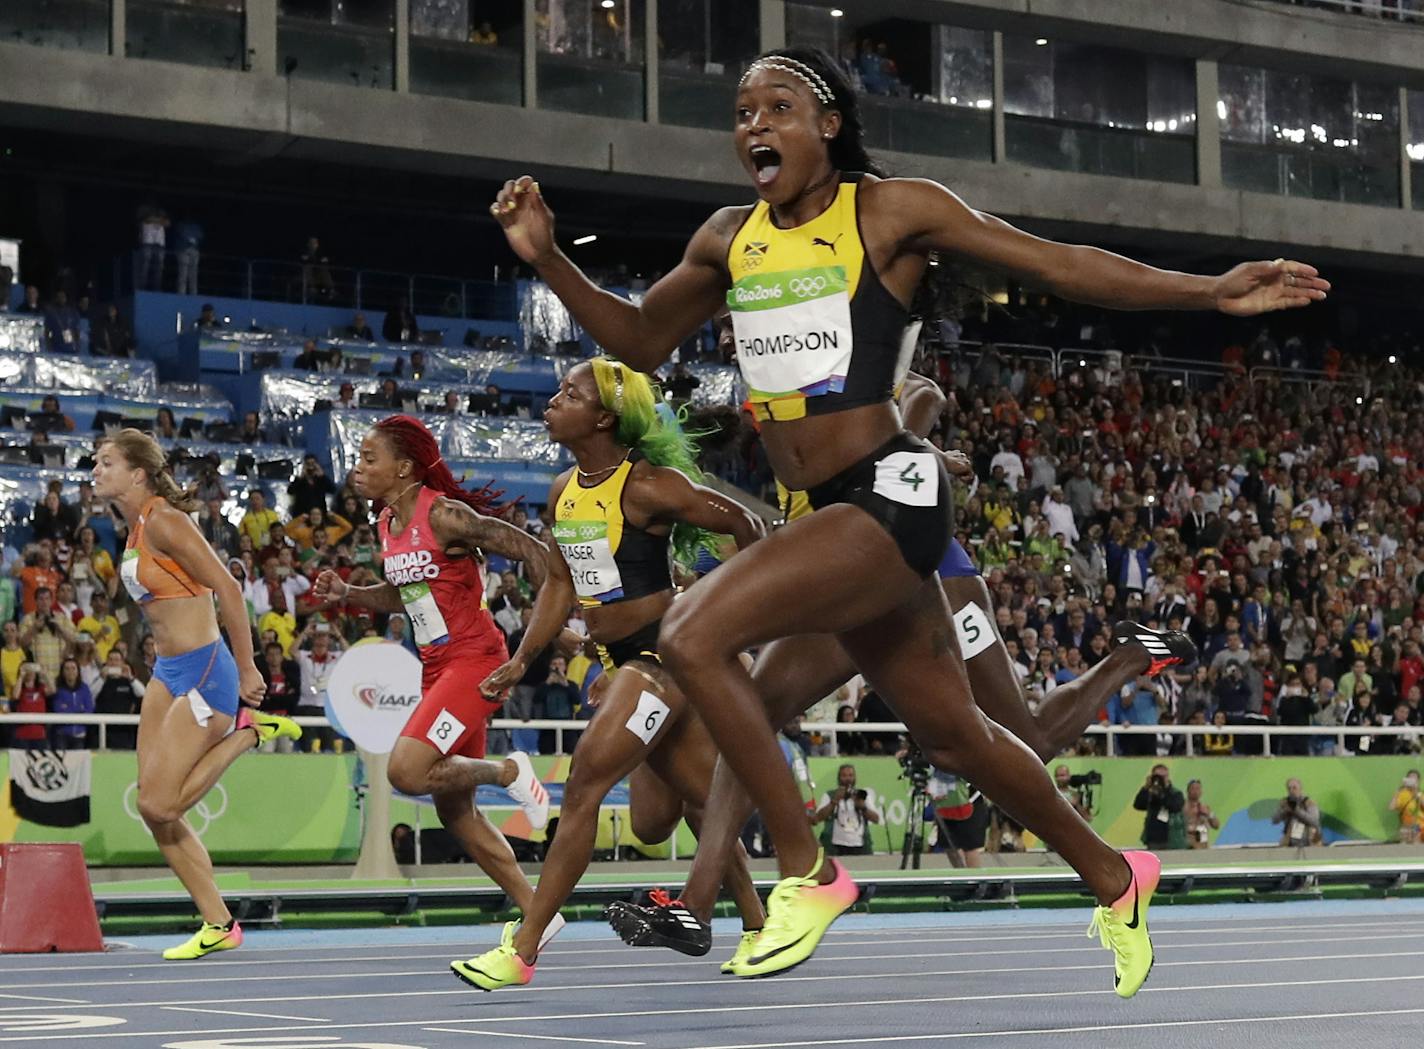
point(934, 219)
point(643, 335)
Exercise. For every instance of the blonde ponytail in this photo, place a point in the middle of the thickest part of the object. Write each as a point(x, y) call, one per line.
point(144, 453)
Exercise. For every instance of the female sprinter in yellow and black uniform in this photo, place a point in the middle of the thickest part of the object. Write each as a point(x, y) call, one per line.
point(631, 497)
point(793, 673)
point(192, 726)
point(817, 274)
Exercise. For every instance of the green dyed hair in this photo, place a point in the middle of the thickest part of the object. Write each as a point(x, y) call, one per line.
point(645, 423)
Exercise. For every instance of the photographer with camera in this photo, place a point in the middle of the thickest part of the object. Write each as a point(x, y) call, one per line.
point(1300, 815)
point(1409, 803)
point(47, 633)
point(312, 489)
point(850, 812)
point(1078, 790)
point(1198, 817)
point(1161, 801)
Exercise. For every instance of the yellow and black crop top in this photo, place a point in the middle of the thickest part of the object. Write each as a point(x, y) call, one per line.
point(610, 559)
point(816, 331)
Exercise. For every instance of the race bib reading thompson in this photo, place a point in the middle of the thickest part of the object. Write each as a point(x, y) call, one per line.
point(585, 547)
point(793, 331)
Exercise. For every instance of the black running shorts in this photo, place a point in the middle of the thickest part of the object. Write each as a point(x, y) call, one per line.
point(904, 486)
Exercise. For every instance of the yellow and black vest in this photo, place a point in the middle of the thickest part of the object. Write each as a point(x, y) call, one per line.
point(816, 331)
point(610, 559)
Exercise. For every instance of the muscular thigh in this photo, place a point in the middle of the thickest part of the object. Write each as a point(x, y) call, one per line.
point(176, 743)
point(653, 806)
point(992, 680)
point(640, 708)
point(686, 759)
point(793, 673)
point(911, 657)
point(786, 584)
point(152, 711)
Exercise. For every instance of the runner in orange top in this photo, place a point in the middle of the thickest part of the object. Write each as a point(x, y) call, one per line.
point(191, 727)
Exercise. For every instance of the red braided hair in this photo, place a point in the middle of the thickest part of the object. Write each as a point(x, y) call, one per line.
point(411, 440)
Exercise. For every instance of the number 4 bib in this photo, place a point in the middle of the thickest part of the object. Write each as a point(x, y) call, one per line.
point(911, 478)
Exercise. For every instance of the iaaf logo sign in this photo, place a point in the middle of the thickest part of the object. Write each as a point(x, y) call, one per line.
point(379, 697)
point(372, 691)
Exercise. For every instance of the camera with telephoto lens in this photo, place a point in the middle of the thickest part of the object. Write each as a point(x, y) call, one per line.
point(1091, 778)
point(915, 767)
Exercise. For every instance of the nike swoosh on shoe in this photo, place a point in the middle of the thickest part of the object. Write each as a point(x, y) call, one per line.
point(772, 954)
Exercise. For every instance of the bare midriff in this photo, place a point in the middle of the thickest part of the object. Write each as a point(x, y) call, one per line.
point(182, 624)
point(808, 452)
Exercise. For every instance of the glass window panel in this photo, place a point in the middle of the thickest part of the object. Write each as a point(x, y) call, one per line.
point(1415, 147)
point(80, 25)
point(1415, 103)
point(591, 56)
point(195, 32)
point(965, 68)
point(923, 88)
point(810, 26)
point(1028, 77)
point(1080, 107)
point(1241, 103)
point(703, 46)
point(342, 41)
point(468, 49)
point(1310, 136)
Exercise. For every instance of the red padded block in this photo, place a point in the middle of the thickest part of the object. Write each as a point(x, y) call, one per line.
point(45, 900)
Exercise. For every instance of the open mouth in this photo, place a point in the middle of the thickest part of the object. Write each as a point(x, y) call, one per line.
point(767, 163)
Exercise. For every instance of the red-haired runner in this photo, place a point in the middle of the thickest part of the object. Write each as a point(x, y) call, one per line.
point(433, 535)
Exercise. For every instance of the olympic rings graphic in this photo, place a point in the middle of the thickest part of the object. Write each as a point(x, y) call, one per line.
point(806, 286)
point(208, 810)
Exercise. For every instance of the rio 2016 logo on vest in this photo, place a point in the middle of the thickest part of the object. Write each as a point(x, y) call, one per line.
point(413, 567)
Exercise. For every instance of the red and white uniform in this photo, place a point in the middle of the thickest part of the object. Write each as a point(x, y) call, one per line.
point(459, 643)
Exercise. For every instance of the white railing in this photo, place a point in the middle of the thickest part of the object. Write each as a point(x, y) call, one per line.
point(1407, 11)
point(829, 729)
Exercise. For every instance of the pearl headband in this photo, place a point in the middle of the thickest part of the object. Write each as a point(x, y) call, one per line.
point(800, 70)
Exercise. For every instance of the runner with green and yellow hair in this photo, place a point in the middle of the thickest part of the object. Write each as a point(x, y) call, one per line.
point(631, 500)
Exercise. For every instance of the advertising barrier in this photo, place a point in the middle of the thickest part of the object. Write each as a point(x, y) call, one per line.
point(301, 808)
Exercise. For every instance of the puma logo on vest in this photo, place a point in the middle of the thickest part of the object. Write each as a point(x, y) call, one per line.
point(827, 243)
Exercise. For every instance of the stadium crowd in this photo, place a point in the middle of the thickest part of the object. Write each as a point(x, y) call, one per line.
point(1274, 521)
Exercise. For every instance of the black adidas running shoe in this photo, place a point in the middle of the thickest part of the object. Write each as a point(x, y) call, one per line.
point(664, 923)
point(1165, 648)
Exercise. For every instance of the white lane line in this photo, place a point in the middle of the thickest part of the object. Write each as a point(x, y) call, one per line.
point(1087, 1029)
point(970, 934)
point(776, 1007)
point(555, 969)
point(939, 999)
point(41, 998)
point(780, 980)
point(561, 951)
point(541, 1037)
point(239, 1012)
